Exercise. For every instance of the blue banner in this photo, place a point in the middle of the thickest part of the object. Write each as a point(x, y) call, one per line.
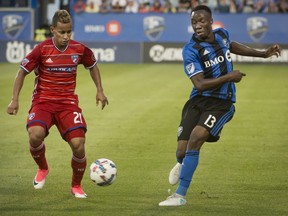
point(130, 52)
point(17, 24)
point(15, 51)
point(158, 27)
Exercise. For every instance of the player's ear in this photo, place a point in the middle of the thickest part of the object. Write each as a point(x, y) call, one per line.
point(211, 21)
point(51, 29)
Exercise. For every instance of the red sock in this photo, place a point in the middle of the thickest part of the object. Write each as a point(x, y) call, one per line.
point(78, 166)
point(38, 155)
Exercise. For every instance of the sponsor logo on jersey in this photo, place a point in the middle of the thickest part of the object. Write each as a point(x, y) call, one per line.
point(257, 27)
point(61, 69)
point(12, 25)
point(153, 27)
point(218, 60)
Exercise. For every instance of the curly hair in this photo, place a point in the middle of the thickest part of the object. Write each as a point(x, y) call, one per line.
point(61, 16)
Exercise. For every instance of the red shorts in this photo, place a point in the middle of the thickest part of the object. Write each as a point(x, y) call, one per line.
point(68, 119)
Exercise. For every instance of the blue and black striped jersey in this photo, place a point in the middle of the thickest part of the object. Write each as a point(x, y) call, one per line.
point(211, 59)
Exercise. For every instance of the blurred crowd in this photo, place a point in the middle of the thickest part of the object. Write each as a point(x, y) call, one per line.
point(162, 6)
point(179, 6)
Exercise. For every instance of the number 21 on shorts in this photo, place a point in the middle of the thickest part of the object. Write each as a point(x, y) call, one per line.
point(77, 118)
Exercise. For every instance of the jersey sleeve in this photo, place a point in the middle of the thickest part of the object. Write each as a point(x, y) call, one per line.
point(225, 35)
point(89, 59)
point(191, 61)
point(31, 61)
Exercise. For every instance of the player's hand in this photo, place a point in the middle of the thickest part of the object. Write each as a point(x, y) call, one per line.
point(273, 50)
point(100, 97)
point(13, 107)
point(236, 76)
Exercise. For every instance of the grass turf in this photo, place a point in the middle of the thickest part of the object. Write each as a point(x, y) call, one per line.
point(245, 173)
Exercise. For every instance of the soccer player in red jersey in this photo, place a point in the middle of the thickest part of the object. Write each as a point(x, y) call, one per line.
point(54, 101)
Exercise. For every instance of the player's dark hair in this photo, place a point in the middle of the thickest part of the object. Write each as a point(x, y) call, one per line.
point(202, 7)
point(61, 16)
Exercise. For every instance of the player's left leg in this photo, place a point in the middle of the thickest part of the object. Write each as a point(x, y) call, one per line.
point(180, 154)
point(72, 126)
point(78, 161)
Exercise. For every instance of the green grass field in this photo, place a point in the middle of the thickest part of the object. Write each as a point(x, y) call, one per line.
point(245, 173)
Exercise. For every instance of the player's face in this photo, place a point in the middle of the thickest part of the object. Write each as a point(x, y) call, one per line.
point(62, 34)
point(202, 25)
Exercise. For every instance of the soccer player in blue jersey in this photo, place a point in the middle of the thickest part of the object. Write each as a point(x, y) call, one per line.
point(208, 64)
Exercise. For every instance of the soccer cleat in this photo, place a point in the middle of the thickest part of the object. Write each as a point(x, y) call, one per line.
point(173, 200)
point(39, 180)
point(78, 192)
point(174, 174)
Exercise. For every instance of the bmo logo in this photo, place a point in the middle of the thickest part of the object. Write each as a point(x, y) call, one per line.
point(113, 28)
point(218, 60)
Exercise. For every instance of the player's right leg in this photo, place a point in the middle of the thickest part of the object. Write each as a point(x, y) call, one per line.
point(190, 117)
point(37, 150)
point(38, 123)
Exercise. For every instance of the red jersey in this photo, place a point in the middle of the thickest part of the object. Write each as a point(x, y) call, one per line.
point(56, 70)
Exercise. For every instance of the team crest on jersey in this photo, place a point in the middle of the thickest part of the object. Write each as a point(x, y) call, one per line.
point(75, 58)
point(190, 68)
point(31, 116)
point(225, 42)
point(153, 27)
point(257, 27)
point(12, 25)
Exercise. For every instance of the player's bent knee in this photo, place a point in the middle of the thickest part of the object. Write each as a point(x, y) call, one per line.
point(36, 134)
point(198, 136)
point(77, 146)
point(77, 133)
point(76, 140)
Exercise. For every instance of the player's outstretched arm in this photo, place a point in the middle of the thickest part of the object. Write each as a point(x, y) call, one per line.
point(241, 49)
point(100, 97)
point(13, 106)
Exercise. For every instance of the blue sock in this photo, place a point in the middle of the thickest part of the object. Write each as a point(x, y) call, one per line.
point(189, 166)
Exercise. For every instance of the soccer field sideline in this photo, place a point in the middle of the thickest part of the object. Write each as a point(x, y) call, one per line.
point(244, 174)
